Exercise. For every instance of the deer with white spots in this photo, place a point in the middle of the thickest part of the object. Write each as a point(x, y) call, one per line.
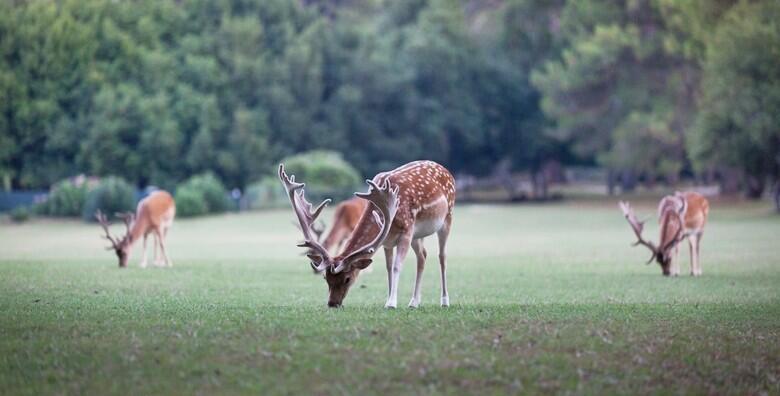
point(408, 204)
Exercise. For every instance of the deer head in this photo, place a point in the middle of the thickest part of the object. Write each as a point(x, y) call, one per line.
point(342, 270)
point(120, 246)
point(672, 232)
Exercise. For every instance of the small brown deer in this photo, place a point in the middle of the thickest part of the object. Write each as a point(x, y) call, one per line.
point(154, 214)
point(408, 204)
point(345, 219)
point(680, 216)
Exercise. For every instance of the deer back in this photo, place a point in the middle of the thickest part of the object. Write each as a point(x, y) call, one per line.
point(426, 193)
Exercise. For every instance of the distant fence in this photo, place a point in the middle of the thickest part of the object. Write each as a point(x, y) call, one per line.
point(12, 199)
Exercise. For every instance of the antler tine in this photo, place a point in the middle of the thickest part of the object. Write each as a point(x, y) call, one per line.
point(637, 226)
point(101, 218)
point(127, 218)
point(385, 199)
point(306, 217)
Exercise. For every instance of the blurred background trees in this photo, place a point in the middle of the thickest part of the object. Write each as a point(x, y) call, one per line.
point(157, 91)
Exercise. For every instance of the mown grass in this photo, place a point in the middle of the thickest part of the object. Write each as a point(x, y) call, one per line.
point(546, 298)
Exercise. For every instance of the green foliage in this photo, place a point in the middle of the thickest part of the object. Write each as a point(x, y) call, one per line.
point(190, 203)
point(67, 197)
point(325, 173)
point(112, 195)
point(156, 91)
point(738, 124)
point(266, 193)
point(201, 194)
point(20, 214)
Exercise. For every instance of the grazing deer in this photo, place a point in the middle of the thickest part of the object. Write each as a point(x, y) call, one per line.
point(154, 214)
point(680, 216)
point(408, 204)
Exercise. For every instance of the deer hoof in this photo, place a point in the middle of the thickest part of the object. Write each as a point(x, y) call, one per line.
point(390, 305)
point(414, 304)
point(445, 301)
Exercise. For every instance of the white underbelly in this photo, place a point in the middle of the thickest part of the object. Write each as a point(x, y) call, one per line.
point(431, 218)
point(423, 228)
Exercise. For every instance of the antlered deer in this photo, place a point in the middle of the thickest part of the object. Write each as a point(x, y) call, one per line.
point(408, 204)
point(680, 216)
point(154, 214)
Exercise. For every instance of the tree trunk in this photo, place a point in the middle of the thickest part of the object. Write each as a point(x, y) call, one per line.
point(729, 181)
point(754, 187)
point(539, 182)
point(627, 181)
point(611, 182)
point(777, 196)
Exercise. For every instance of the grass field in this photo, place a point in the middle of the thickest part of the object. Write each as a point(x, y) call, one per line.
point(545, 298)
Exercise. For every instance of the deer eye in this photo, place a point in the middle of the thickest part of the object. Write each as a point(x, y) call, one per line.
point(346, 280)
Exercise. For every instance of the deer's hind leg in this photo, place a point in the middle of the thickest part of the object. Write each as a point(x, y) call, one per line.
point(443, 234)
point(161, 236)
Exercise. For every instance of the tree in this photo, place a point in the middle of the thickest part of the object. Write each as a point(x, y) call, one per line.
point(738, 123)
point(614, 86)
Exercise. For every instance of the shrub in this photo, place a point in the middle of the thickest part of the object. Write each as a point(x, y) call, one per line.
point(326, 174)
point(112, 195)
point(190, 203)
point(205, 188)
point(67, 197)
point(265, 194)
point(20, 214)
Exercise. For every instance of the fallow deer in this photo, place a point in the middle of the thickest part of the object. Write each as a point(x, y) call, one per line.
point(154, 214)
point(680, 216)
point(409, 203)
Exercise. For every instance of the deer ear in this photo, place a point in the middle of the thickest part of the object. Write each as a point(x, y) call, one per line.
point(362, 263)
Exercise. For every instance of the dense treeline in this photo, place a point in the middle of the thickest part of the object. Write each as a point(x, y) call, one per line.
point(158, 90)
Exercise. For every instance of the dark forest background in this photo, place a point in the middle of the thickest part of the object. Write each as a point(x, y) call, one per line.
point(156, 91)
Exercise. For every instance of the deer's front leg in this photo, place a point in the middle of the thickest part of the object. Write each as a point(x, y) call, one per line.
point(402, 248)
point(419, 251)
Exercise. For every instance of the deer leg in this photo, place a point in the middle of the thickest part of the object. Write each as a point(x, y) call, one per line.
point(160, 236)
point(402, 248)
point(697, 238)
point(443, 233)
point(675, 265)
point(143, 259)
point(419, 251)
point(156, 255)
point(389, 263)
point(692, 246)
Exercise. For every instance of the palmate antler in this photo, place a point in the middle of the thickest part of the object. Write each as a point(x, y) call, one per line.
point(637, 226)
point(306, 218)
point(385, 199)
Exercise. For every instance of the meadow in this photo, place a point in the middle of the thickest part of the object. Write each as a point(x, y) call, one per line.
point(545, 299)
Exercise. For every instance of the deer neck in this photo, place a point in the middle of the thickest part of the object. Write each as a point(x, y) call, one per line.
point(671, 227)
point(137, 230)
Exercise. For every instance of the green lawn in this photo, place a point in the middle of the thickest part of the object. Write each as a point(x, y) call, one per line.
point(545, 298)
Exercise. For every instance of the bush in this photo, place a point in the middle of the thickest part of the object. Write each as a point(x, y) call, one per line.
point(20, 214)
point(112, 195)
point(67, 197)
point(190, 203)
point(326, 174)
point(265, 194)
point(201, 194)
